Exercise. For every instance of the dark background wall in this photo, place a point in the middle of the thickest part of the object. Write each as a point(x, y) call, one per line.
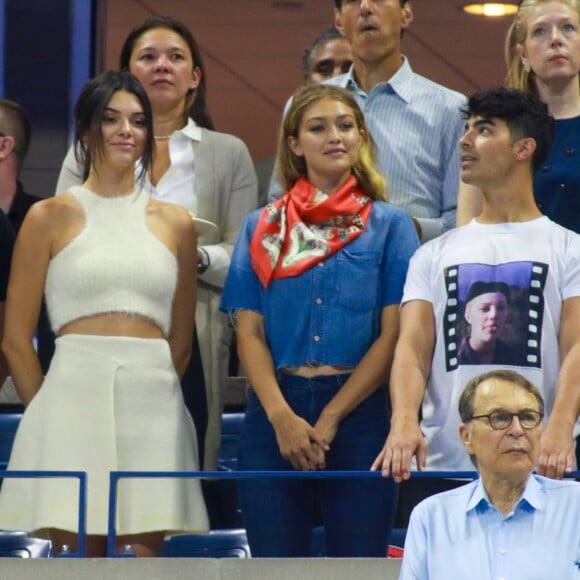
point(46, 57)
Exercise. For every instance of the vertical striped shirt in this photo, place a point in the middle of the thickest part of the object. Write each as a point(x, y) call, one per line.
point(416, 125)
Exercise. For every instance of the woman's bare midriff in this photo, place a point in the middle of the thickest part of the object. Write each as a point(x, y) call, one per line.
point(310, 371)
point(113, 324)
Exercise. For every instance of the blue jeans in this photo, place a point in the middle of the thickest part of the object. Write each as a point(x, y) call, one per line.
point(357, 513)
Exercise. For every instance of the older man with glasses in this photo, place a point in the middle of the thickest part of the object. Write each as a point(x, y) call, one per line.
point(510, 523)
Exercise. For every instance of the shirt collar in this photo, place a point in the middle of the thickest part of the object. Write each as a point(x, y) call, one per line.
point(191, 130)
point(532, 495)
point(400, 83)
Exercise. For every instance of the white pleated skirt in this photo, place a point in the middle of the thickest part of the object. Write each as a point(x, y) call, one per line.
point(106, 404)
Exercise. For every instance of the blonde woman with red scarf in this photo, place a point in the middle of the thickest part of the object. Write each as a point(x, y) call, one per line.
point(314, 288)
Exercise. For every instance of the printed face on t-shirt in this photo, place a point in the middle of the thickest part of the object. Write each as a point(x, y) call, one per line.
point(494, 314)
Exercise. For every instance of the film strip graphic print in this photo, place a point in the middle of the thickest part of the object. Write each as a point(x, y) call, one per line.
point(533, 327)
point(536, 314)
point(450, 319)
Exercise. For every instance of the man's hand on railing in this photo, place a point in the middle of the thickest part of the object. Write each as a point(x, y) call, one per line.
point(405, 440)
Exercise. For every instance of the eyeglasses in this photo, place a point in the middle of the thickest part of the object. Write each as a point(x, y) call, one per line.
point(500, 420)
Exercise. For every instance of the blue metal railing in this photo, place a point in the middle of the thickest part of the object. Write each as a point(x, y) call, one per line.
point(82, 515)
point(115, 476)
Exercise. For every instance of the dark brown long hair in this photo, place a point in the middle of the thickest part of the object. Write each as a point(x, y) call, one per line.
point(195, 104)
point(90, 108)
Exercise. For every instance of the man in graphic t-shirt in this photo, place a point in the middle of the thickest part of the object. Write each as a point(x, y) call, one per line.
point(509, 280)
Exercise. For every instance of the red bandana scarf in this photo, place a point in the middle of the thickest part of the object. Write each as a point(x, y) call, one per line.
point(305, 227)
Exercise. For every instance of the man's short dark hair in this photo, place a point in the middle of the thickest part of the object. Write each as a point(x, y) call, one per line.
point(467, 398)
point(524, 114)
point(331, 33)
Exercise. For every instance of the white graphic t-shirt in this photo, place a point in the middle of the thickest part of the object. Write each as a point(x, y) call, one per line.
point(497, 293)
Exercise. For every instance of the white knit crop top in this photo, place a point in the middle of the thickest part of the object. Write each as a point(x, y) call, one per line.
point(115, 265)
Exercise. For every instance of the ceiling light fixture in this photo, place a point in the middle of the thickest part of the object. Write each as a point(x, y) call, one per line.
point(491, 9)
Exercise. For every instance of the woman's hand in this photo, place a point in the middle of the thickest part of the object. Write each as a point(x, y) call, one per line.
point(326, 427)
point(299, 443)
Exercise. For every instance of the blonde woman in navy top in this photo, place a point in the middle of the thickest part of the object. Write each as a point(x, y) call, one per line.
point(542, 54)
point(118, 270)
point(314, 289)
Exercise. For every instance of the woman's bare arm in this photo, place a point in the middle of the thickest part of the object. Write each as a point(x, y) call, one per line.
point(27, 277)
point(184, 302)
point(298, 441)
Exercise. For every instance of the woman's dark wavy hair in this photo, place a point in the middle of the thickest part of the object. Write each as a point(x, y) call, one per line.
point(90, 108)
point(195, 103)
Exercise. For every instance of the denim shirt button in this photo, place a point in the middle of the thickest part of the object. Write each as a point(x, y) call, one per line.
point(319, 301)
point(317, 338)
point(321, 264)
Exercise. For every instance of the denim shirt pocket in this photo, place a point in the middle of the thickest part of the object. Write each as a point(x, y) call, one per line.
point(358, 279)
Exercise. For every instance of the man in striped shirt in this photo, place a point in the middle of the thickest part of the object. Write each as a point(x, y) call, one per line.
point(415, 122)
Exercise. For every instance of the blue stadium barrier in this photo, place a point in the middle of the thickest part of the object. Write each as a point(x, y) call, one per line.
point(82, 517)
point(115, 476)
point(8, 425)
point(216, 544)
point(20, 545)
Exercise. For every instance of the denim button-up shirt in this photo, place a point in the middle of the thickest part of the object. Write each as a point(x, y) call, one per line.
point(330, 314)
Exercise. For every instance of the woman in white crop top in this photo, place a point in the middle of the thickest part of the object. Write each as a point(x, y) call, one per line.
point(208, 173)
point(119, 273)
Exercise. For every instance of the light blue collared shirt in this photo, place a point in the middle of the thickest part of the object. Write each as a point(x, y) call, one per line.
point(416, 125)
point(460, 535)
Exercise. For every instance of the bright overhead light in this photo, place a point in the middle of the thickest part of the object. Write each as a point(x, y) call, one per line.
point(491, 9)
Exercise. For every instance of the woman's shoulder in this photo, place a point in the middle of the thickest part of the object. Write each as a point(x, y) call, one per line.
point(387, 211)
point(52, 209)
point(172, 220)
point(218, 139)
point(169, 212)
point(50, 218)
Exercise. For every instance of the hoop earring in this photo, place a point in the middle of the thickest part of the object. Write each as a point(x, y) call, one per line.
point(527, 67)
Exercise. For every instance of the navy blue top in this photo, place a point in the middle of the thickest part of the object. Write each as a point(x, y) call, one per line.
point(329, 314)
point(557, 182)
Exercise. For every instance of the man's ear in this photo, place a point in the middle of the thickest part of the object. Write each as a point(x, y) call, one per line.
point(7, 145)
point(338, 21)
point(525, 148)
point(465, 435)
point(407, 12)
